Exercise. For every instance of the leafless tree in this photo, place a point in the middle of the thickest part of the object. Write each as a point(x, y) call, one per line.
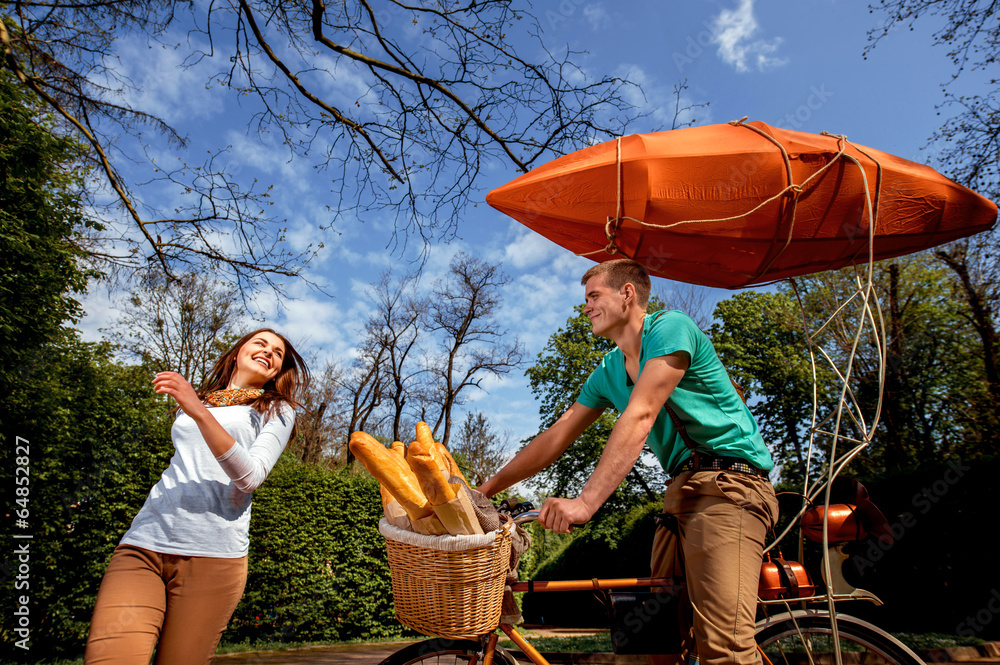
point(364, 385)
point(395, 328)
point(463, 314)
point(180, 325)
point(322, 422)
point(444, 90)
point(691, 299)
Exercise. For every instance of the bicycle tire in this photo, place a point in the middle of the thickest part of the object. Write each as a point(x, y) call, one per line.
point(439, 651)
point(861, 642)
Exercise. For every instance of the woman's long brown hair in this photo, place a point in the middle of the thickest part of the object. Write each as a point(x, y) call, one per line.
point(285, 388)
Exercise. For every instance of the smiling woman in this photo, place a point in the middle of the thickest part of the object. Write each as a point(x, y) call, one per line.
point(178, 573)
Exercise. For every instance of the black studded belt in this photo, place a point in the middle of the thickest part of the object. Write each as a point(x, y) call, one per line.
point(698, 462)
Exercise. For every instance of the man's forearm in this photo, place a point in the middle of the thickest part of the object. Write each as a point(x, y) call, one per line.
point(620, 454)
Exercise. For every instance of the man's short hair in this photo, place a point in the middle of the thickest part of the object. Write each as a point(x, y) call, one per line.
point(618, 273)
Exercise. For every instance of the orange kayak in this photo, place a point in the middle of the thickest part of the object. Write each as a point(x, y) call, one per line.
point(741, 204)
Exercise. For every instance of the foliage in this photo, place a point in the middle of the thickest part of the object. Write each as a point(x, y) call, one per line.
point(975, 264)
point(966, 148)
point(933, 385)
point(930, 375)
point(619, 545)
point(556, 378)
point(318, 568)
point(479, 451)
point(438, 87)
point(40, 218)
point(759, 339)
point(96, 434)
point(98, 439)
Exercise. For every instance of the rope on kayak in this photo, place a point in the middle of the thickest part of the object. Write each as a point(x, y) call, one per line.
point(794, 190)
point(612, 223)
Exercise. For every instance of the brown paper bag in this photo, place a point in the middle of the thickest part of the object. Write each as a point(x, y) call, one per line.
point(430, 526)
point(396, 516)
point(458, 516)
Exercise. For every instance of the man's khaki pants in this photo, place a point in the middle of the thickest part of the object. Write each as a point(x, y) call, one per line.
point(722, 519)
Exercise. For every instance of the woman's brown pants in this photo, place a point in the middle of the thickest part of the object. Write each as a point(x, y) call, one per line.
point(177, 604)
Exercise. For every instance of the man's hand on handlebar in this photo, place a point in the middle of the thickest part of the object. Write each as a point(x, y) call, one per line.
point(561, 515)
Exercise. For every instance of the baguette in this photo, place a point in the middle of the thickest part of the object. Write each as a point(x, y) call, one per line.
point(441, 455)
point(452, 470)
point(399, 449)
point(396, 476)
point(431, 477)
point(426, 439)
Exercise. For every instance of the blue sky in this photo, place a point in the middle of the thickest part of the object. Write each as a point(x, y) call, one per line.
point(796, 64)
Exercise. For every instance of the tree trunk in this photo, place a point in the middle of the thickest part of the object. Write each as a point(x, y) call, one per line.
point(982, 321)
point(895, 456)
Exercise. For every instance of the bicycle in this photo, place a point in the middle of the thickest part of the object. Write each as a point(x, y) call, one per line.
point(793, 636)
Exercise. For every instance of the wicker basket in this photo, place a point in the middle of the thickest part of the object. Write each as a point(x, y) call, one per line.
point(448, 586)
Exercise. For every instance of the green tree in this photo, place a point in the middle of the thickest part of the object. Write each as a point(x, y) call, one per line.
point(90, 437)
point(40, 223)
point(759, 339)
point(967, 149)
point(929, 372)
point(556, 378)
point(931, 381)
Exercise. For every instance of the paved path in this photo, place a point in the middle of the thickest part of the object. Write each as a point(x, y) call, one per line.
point(372, 654)
point(352, 654)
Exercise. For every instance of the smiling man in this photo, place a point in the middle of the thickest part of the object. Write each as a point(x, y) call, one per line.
point(673, 394)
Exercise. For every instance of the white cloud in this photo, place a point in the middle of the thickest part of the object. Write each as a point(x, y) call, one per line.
point(597, 17)
point(100, 312)
point(272, 160)
point(528, 249)
point(659, 102)
point(734, 29)
point(165, 85)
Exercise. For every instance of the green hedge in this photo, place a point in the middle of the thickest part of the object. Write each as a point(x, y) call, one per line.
point(98, 438)
point(318, 569)
point(615, 546)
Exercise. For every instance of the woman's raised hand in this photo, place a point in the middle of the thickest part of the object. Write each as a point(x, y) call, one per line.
point(175, 385)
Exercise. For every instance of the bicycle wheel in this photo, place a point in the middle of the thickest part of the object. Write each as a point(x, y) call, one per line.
point(806, 636)
point(440, 651)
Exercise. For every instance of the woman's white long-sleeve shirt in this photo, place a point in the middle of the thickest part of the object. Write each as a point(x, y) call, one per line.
point(201, 504)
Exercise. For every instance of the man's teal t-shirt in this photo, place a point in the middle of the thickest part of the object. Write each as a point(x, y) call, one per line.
point(705, 400)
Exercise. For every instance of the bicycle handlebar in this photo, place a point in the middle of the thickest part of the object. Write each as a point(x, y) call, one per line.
point(527, 516)
point(532, 516)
